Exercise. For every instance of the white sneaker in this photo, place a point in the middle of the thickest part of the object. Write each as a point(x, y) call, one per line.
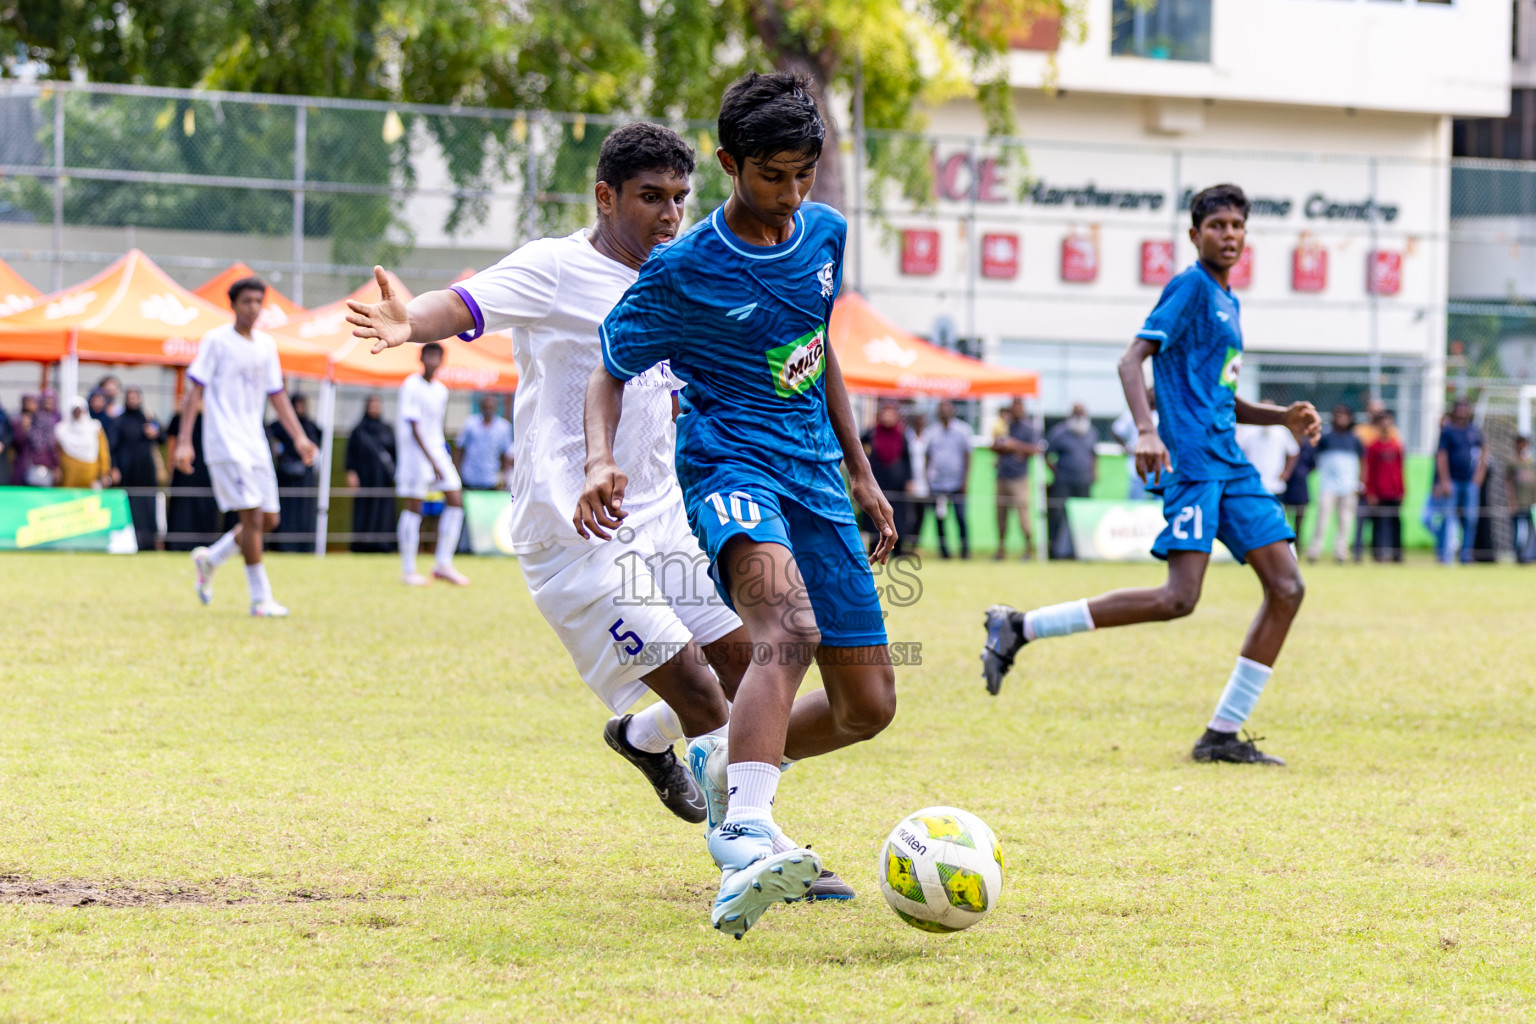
point(451, 575)
point(268, 609)
point(707, 761)
point(202, 562)
point(415, 579)
point(753, 877)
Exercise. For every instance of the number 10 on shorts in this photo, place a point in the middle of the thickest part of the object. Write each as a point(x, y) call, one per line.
point(1181, 522)
point(743, 509)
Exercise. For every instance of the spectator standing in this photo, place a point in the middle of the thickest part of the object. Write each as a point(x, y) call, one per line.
point(1462, 461)
point(192, 513)
point(137, 465)
point(484, 451)
point(1069, 448)
point(948, 443)
point(1367, 432)
point(85, 460)
point(1520, 486)
point(1298, 486)
point(1124, 429)
point(1384, 489)
point(891, 462)
point(371, 463)
point(112, 390)
point(1273, 450)
point(36, 462)
point(917, 450)
point(1014, 439)
point(5, 446)
point(299, 511)
point(1339, 466)
point(96, 402)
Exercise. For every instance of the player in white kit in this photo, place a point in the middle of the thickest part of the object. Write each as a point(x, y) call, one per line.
point(425, 466)
point(235, 372)
point(640, 612)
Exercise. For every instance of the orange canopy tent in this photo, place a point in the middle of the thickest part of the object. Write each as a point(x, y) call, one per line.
point(877, 357)
point(16, 293)
point(276, 308)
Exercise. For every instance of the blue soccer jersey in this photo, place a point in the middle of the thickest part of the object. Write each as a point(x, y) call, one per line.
point(745, 328)
point(1199, 355)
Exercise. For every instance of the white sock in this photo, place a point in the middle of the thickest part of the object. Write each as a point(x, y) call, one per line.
point(408, 533)
point(448, 526)
point(724, 732)
point(751, 786)
point(256, 579)
point(655, 729)
point(1057, 620)
point(1240, 695)
point(220, 550)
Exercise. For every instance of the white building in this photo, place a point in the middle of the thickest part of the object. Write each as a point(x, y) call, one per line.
point(1334, 116)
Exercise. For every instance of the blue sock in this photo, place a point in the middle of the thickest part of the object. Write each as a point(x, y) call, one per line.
point(1241, 694)
point(1057, 620)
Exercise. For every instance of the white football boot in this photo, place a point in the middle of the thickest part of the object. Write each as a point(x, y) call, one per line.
point(202, 562)
point(753, 877)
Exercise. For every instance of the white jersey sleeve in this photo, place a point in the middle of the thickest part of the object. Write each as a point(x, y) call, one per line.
point(274, 368)
point(410, 401)
point(517, 292)
point(206, 363)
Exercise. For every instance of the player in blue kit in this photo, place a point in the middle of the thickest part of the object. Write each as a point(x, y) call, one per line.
point(1209, 488)
point(739, 307)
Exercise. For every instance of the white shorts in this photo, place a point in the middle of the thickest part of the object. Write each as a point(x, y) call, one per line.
point(625, 607)
point(415, 477)
point(238, 486)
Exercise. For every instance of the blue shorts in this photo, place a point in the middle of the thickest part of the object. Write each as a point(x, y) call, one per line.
point(1240, 513)
point(833, 565)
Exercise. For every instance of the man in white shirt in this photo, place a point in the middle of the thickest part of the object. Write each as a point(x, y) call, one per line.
point(424, 466)
point(641, 611)
point(1272, 450)
point(948, 469)
point(234, 373)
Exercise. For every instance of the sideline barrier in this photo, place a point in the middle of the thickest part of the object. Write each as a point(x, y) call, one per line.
point(1120, 531)
point(54, 519)
point(488, 518)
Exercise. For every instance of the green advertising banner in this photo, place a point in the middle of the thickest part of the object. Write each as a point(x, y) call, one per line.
point(488, 516)
point(54, 519)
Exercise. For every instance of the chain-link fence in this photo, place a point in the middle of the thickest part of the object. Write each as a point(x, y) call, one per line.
point(1038, 253)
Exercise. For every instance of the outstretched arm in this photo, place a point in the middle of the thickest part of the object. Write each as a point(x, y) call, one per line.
point(391, 322)
point(290, 421)
point(1300, 417)
point(1151, 456)
point(600, 507)
point(861, 479)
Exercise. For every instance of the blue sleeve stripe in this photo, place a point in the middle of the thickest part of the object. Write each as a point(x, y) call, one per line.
point(474, 311)
point(1151, 335)
point(611, 364)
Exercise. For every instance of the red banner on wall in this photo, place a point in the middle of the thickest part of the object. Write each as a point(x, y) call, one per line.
point(1079, 258)
point(1242, 271)
point(1000, 256)
point(1384, 272)
point(919, 251)
point(1309, 268)
point(1157, 261)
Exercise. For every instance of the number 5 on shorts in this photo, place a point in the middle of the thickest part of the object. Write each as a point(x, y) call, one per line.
point(628, 636)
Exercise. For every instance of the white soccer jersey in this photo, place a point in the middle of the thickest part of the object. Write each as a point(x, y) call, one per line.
point(425, 404)
point(554, 293)
point(237, 375)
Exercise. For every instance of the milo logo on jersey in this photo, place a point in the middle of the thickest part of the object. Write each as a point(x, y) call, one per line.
point(1231, 368)
point(798, 365)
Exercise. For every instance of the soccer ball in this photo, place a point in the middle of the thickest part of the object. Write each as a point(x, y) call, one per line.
point(941, 869)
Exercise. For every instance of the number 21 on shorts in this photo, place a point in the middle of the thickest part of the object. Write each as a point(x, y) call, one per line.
point(1182, 520)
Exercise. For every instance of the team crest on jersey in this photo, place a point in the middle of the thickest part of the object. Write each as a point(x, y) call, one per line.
point(1231, 368)
point(826, 275)
point(798, 365)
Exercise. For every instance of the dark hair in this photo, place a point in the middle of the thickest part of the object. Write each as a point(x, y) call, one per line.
point(246, 284)
point(761, 115)
point(431, 346)
point(1217, 197)
point(632, 149)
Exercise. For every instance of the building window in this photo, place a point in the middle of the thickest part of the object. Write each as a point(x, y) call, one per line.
point(1161, 29)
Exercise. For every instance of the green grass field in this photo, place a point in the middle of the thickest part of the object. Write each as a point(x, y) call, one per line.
point(396, 806)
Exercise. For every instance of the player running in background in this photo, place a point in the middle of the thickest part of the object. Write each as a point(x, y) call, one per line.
point(425, 466)
point(235, 372)
point(739, 306)
point(653, 582)
point(1209, 488)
